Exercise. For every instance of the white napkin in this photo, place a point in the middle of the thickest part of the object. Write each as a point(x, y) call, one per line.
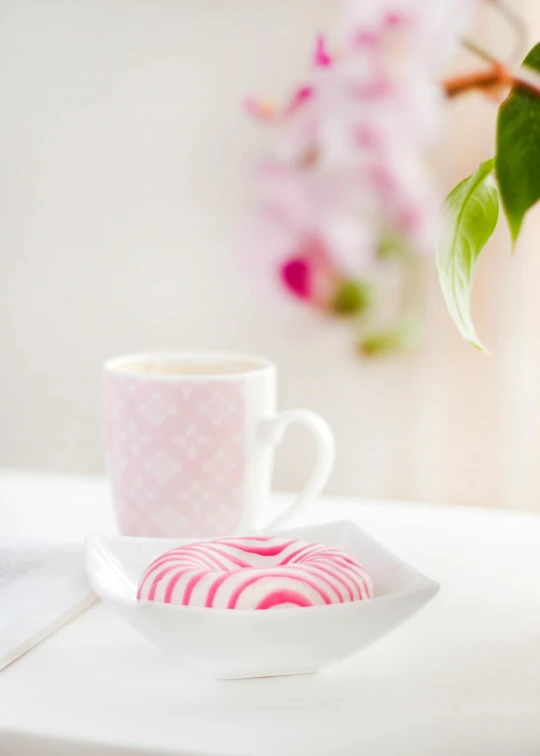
point(42, 586)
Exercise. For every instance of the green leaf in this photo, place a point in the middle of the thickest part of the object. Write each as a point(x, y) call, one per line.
point(518, 150)
point(470, 213)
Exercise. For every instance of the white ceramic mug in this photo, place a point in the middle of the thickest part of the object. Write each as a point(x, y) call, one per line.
point(190, 443)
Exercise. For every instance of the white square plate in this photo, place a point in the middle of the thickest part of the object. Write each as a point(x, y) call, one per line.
point(233, 643)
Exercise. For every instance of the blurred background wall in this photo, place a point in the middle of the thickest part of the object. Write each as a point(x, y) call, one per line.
point(123, 150)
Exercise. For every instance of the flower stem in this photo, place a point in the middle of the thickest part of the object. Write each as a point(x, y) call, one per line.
point(518, 25)
point(403, 332)
point(478, 50)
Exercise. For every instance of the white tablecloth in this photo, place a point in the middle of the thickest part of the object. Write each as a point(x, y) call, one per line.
point(462, 678)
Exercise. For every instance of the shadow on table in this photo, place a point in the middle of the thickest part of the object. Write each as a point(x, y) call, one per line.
point(15, 744)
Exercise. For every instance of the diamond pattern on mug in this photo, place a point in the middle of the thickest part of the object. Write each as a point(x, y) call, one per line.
point(168, 519)
point(134, 439)
point(222, 518)
point(113, 404)
point(217, 408)
point(177, 450)
point(196, 497)
point(162, 467)
point(219, 467)
point(140, 498)
point(191, 440)
point(130, 521)
point(118, 462)
point(157, 409)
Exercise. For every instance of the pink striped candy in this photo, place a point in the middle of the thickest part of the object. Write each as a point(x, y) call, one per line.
point(256, 572)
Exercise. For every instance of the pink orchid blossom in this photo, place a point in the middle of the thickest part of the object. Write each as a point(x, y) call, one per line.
point(327, 205)
point(288, 255)
point(309, 228)
point(421, 30)
point(348, 169)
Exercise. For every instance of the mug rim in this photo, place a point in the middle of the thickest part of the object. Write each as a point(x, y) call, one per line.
point(117, 365)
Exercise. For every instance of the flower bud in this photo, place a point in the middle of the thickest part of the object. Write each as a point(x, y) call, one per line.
point(351, 297)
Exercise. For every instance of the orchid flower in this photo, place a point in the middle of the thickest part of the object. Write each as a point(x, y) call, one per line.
point(347, 168)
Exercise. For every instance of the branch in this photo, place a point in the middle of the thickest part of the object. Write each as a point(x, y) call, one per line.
point(479, 80)
point(497, 77)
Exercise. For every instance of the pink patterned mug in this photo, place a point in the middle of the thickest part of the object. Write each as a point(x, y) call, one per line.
point(190, 442)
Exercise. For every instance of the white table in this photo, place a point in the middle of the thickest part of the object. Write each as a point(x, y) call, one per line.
point(462, 678)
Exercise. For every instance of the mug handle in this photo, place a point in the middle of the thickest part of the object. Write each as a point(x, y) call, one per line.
point(271, 431)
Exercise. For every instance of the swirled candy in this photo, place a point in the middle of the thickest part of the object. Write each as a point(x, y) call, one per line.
point(256, 572)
